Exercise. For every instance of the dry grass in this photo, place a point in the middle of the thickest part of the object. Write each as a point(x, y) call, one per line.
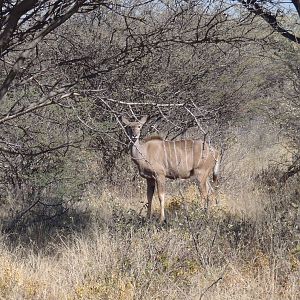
point(119, 256)
point(244, 248)
point(252, 151)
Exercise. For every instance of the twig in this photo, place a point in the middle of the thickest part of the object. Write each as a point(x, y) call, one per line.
point(103, 99)
point(210, 286)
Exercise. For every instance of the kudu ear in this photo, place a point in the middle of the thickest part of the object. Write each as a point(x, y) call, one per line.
point(125, 121)
point(143, 120)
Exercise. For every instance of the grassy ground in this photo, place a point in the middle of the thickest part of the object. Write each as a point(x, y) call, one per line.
point(198, 255)
point(246, 247)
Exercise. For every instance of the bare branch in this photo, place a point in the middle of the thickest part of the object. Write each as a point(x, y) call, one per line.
point(270, 18)
point(144, 103)
point(46, 101)
point(16, 13)
point(297, 5)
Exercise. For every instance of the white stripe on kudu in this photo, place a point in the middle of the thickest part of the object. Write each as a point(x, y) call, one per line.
point(186, 154)
point(193, 145)
point(170, 154)
point(156, 164)
point(202, 153)
point(176, 158)
point(165, 154)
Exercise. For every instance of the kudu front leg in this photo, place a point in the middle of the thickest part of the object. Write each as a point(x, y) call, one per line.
point(160, 182)
point(150, 192)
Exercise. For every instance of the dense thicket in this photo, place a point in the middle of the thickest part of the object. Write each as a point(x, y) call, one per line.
point(70, 69)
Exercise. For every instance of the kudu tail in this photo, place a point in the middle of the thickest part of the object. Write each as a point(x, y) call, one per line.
point(216, 170)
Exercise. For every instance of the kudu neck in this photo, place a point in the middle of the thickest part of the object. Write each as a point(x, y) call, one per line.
point(136, 150)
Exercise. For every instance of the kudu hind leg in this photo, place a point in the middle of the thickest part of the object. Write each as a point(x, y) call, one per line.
point(160, 182)
point(211, 192)
point(150, 192)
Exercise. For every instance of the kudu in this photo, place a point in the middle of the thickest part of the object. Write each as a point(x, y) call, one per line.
point(158, 159)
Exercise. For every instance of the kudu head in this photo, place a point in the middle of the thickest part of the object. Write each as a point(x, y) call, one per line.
point(134, 128)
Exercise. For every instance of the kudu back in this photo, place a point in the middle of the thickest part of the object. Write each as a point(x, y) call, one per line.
point(158, 159)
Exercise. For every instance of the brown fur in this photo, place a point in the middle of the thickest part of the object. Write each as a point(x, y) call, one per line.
point(153, 137)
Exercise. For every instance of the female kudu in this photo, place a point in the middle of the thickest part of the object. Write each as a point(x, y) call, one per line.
point(158, 159)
